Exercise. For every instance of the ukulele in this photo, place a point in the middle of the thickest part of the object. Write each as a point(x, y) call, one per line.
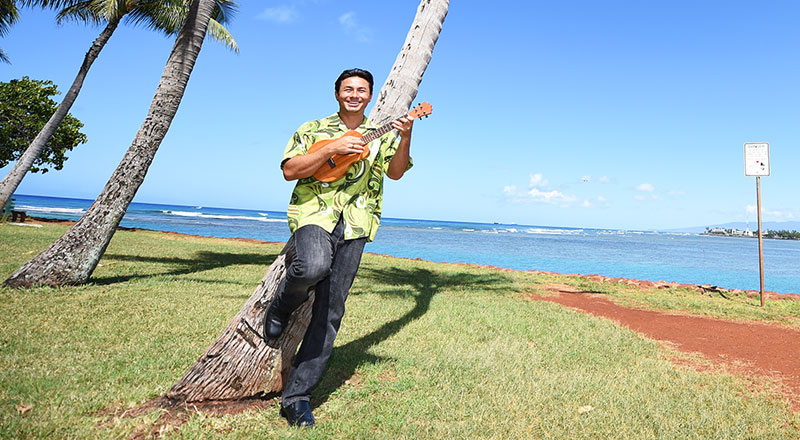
point(336, 167)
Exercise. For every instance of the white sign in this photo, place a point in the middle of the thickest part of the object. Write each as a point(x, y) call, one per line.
point(756, 159)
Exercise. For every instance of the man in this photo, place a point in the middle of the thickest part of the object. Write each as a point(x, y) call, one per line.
point(330, 223)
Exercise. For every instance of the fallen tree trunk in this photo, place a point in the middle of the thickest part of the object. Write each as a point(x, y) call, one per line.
point(241, 364)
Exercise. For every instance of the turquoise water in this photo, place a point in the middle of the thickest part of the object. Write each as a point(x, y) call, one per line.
point(685, 258)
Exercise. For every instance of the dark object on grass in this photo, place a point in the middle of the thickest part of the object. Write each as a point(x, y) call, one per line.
point(18, 216)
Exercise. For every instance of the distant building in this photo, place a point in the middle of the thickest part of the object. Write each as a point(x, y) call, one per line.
point(729, 232)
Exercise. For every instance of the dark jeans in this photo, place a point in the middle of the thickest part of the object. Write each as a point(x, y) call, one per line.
point(330, 262)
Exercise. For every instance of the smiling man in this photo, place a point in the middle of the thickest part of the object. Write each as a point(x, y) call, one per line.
point(331, 222)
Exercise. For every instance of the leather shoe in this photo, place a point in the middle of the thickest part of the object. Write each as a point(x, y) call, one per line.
point(298, 414)
point(274, 322)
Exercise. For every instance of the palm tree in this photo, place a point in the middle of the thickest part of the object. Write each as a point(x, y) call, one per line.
point(8, 15)
point(400, 88)
point(162, 15)
point(73, 257)
point(239, 364)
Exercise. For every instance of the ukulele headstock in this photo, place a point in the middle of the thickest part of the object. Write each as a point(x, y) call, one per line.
point(421, 110)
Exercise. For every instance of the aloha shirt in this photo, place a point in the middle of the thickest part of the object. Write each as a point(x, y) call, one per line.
point(357, 197)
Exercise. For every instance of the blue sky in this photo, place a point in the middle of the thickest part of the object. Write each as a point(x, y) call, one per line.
point(616, 114)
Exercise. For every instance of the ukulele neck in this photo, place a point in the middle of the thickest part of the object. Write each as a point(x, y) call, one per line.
point(380, 131)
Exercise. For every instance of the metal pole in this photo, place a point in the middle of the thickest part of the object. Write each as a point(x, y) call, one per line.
point(760, 242)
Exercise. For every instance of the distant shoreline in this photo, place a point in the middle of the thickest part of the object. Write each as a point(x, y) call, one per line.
point(769, 235)
point(745, 236)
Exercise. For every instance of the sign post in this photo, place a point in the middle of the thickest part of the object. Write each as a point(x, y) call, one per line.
point(756, 163)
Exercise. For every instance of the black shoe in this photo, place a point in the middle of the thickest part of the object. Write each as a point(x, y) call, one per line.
point(298, 414)
point(274, 321)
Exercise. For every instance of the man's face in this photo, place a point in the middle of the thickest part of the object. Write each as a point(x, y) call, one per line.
point(353, 95)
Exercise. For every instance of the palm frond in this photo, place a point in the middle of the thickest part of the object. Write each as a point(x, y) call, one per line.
point(79, 12)
point(217, 32)
point(160, 15)
point(4, 57)
point(167, 16)
point(47, 4)
point(8, 15)
point(225, 10)
point(93, 11)
point(111, 9)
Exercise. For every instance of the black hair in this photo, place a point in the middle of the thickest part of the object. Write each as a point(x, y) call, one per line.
point(361, 73)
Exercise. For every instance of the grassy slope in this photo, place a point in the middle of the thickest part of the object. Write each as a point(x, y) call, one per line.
point(425, 351)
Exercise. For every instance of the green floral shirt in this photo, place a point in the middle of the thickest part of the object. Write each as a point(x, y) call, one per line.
point(357, 197)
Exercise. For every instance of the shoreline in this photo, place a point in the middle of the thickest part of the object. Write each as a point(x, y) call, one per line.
point(642, 284)
point(704, 234)
point(704, 289)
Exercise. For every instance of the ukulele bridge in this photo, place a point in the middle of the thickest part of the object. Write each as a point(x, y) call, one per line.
point(331, 163)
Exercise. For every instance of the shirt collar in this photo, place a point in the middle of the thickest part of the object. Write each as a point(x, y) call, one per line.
point(366, 123)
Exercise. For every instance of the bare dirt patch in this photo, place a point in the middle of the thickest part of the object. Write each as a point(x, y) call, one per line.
point(749, 348)
point(174, 414)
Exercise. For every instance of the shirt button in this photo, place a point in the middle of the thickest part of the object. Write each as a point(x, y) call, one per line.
point(324, 184)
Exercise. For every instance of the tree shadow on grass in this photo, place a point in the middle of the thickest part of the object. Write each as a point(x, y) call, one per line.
point(421, 285)
point(202, 261)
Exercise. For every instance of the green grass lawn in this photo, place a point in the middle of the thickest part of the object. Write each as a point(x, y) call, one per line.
point(425, 351)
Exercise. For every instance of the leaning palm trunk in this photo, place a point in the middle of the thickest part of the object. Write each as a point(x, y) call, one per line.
point(73, 257)
point(240, 364)
point(400, 88)
point(14, 177)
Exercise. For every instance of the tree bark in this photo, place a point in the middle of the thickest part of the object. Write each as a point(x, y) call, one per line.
point(240, 364)
point(402, 84)
point(14, 177)
point(73, 257)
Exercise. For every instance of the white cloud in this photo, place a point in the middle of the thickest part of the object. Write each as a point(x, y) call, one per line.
point(538, 181)
point(597, 202)
point(279, 14)
point(539, 192)
point(550, 196)
point(646, 187)
point(601, 179)
point(677, 193)
point(348, 20)
point(772, 214)
point(353, 28)
point(641, 197)
point(778, 215)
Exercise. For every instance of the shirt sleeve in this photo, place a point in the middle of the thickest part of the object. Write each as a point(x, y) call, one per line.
point(391, 145)
point(298, 144)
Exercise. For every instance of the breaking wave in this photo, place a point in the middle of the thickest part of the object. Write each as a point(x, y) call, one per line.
point(263, 217)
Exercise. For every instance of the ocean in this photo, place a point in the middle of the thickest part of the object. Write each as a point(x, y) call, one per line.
point(727, 262)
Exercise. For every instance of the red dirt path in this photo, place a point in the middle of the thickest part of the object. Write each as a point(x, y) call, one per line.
point(754, 349)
